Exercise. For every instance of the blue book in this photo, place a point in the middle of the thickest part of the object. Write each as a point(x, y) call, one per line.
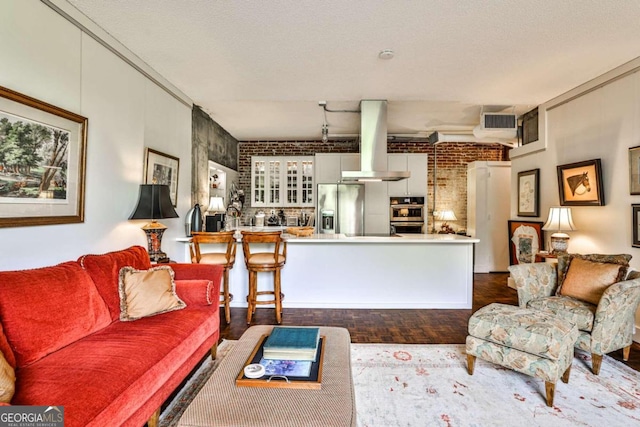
point(292, 343)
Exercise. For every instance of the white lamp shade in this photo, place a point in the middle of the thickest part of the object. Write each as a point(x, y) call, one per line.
point(216, 204)
point(559, 220)
point(447, 215)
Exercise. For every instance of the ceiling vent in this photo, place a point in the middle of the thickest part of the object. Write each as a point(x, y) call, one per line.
point(497, 125)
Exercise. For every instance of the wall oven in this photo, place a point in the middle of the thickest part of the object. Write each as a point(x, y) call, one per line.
point(407, 214)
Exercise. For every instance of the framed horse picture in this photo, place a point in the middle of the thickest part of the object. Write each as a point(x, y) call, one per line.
point(580, 184)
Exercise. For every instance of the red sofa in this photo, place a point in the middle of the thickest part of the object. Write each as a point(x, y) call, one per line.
point(60, 329)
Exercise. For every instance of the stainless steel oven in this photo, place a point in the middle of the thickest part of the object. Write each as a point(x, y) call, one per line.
point(406, 214)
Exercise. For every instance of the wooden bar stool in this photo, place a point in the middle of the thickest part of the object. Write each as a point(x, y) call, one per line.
point(264, 261)
point(226, 259)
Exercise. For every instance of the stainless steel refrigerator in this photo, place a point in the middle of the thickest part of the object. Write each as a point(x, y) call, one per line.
point(340, 209)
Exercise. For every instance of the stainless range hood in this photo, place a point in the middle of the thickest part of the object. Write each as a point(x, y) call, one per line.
point(373, 146)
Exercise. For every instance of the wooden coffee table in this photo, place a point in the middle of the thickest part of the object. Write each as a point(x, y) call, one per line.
point(221, 402)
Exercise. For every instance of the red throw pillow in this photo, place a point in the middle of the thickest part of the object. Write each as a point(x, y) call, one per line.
point(45, 309)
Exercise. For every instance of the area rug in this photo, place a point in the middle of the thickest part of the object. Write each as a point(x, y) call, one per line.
point(428, 385)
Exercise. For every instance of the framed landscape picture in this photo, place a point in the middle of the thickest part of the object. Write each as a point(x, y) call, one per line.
point(580, 184)
point(160, 168)
point(525, 241)
point(42, 162)
point(529, 193)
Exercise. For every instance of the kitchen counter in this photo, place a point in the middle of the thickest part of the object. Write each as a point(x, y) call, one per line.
point(339, 271)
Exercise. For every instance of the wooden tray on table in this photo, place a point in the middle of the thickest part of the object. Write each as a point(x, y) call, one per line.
point(311, 382)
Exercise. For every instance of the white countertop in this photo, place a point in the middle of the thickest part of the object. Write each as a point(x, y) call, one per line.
point(341, 238)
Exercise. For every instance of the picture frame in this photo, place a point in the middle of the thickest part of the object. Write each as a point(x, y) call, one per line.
point(529, 193)
point(42, 162)
point(161, 168)
point(635, 225)
point(580, 184)
point(634, 170)
point(525, 241)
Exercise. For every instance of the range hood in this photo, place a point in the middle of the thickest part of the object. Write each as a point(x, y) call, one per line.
point(373, 146)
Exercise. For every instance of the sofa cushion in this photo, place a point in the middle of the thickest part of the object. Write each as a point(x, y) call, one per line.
point(105, 269)
point(7, 380)
point(587, 280)
point(579, 313)
point(565, 260)
point(147, 292)
point(124, 367)
point(67, 295)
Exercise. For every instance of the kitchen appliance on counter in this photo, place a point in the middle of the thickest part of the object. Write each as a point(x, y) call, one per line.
point(406, 215)
point(340, 209)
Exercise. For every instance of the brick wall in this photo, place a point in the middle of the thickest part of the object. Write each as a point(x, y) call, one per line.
point(451, 177)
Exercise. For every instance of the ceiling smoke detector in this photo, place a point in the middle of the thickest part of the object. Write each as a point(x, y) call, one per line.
point(386, 54)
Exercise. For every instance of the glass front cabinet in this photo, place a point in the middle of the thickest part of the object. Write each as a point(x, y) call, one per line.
point(282, 181)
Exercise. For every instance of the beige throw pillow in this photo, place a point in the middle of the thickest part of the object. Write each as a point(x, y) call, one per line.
point(7, 380)
point(147, 292)
point(587, 280)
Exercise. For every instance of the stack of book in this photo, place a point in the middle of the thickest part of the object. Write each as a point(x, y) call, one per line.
point(292, 343)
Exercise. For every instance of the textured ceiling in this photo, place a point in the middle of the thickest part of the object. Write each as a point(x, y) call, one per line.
point(259, 68)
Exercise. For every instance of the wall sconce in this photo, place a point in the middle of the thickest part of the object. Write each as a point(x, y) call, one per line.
point(559, 220)
point(154, 203)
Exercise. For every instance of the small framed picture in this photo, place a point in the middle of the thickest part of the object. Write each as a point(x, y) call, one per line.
point(529, 193)
point(525, 241)
point(634, 170)
point(580, 184)
point(635, 225)
point(160, 168)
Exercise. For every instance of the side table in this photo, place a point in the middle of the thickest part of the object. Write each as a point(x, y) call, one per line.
point(546, 257)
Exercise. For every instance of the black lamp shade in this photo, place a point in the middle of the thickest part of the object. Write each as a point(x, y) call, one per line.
point(154, 202)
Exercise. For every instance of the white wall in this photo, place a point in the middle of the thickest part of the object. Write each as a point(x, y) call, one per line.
point(47, 57)
point(600, 119)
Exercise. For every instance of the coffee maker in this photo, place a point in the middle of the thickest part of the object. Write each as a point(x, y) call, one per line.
point(215, 222)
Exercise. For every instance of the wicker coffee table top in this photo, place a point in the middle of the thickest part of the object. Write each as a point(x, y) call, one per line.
point(221, 402)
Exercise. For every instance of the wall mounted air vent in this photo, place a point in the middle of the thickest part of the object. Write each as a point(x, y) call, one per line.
point(498, 121)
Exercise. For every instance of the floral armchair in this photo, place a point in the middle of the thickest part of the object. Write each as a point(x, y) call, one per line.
point(595, 292)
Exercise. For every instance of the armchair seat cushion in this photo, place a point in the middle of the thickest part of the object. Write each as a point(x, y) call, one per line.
point(578, 312)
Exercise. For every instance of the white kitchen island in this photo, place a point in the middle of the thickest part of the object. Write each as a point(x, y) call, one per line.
point(337, 271)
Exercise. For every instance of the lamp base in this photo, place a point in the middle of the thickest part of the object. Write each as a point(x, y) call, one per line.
point(559, 243)
point(154, 232)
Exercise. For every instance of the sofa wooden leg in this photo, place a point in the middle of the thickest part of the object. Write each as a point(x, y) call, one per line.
point(471, 361)
point(154, 421)
point(596, 362)
point(214, 351)
point(625, 353)
point(550, 388)
point(565, 376)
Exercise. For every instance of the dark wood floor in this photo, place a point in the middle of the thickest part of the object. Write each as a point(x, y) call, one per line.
point(398, 326)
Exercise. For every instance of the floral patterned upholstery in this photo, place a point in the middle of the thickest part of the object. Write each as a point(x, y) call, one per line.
point(603, 328)
point(532, 342)
point(578, 312)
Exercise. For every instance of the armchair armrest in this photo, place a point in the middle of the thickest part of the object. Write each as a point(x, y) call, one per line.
point(533, 281)
point(615, 317)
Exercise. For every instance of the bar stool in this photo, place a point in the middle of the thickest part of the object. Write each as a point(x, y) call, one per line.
point(264, 261)
point(225, 259)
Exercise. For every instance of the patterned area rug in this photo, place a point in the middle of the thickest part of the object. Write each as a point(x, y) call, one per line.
point(428, 385)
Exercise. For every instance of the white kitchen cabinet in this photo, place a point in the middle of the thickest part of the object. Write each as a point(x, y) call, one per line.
point(416, 185)
point(488, 207)
point(376, 208)
point(282, 181)
point(329, 166)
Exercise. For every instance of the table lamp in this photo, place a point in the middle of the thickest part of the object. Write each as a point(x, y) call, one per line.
point(214, 220)
point(216, 205)
point(154, 203)
point(444, 216)
point(559, 221)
